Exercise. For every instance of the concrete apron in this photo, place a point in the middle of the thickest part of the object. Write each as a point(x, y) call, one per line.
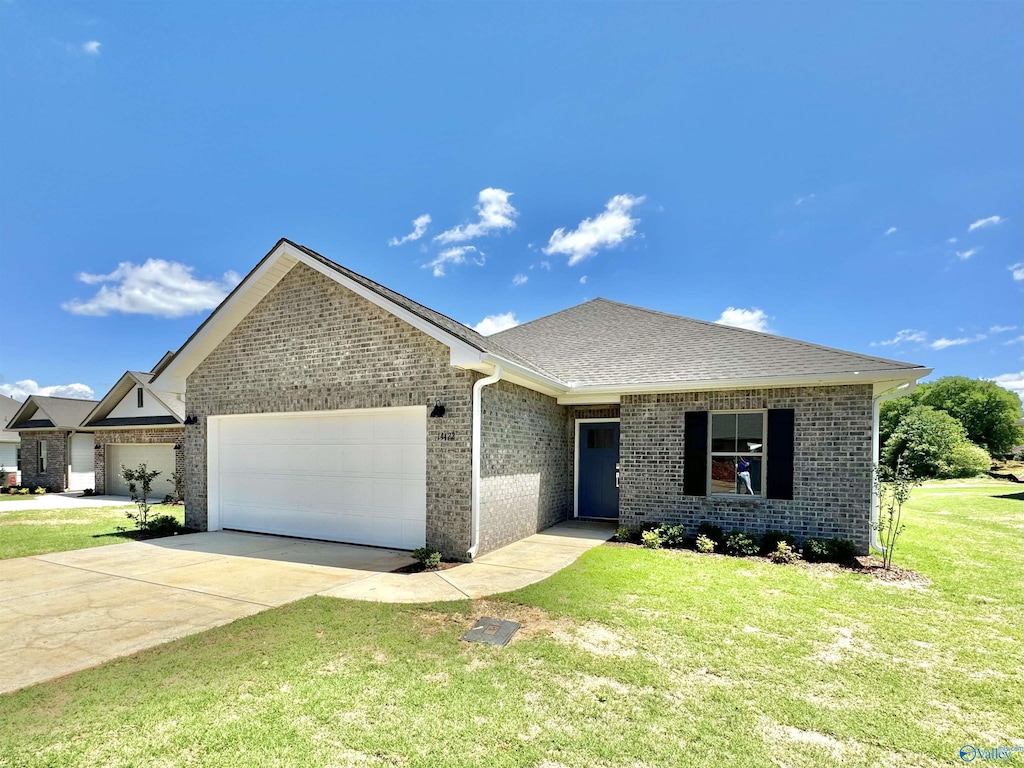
point(67, 611)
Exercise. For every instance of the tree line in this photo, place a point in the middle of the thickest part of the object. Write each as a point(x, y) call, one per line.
point(952, 427)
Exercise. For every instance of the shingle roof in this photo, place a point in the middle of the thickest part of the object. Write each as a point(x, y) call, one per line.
point(603, 342)
point(8, 407)
point(61, 412)
point(454, 327)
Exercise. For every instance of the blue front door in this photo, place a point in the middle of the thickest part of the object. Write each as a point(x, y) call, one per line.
point(598, 482)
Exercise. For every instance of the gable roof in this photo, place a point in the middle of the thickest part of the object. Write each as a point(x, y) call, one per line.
point(468, 348)
point(99, 416)
point(8, 407)
point(592, 352)
point(39, 412)
point(603, 342)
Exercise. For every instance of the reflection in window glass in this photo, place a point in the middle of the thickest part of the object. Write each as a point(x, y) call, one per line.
point(737, 454)
point(602, 438)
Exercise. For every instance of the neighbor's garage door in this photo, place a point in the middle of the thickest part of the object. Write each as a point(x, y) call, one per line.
point(158, 457)
point(357, 476)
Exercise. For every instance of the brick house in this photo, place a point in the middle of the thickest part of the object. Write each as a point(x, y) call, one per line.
point(322, 404)
point(134, 424)
point(56, 452)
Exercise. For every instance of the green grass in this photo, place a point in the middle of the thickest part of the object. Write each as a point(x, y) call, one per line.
point(631, 657)
point(38, 531)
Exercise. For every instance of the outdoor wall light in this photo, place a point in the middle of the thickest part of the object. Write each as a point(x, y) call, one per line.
point(438, 411)
point(191, 419)
point(177, 446)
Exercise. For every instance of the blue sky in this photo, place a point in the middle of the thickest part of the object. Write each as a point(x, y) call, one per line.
point(845, 173)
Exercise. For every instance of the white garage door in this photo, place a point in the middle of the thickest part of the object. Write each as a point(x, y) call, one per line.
point(156, 457)
point(358, 476)
point(82, 467)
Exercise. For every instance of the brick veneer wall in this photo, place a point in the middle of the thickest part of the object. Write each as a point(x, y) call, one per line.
point(55, 476)
point(832, 463)
point(105, 438)
point(311, 345)
point(524, 464)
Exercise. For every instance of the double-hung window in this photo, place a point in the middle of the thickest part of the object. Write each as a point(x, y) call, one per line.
point(736, 462)
point(42, 456)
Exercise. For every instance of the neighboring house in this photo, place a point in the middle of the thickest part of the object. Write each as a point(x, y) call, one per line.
point(10, 442)
point(324, 405)
point(55, 451)
point(135, 424)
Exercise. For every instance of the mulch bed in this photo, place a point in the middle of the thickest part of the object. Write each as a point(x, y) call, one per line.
point(869, 565)
point(418, 567)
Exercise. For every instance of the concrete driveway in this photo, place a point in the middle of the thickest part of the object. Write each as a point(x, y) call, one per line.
point(67, 611)
point(73, 500)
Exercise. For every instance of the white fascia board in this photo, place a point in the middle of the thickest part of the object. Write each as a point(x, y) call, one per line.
point(172, 379)
point(596, 394)
point(525, 377)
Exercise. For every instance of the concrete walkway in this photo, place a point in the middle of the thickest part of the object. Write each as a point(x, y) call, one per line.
point(67, 611)
point(72, 500)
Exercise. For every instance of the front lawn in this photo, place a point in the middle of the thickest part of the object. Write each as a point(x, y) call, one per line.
point(631, 657)
point(38, 531)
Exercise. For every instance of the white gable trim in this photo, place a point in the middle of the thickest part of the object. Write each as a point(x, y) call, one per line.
point(256, 286)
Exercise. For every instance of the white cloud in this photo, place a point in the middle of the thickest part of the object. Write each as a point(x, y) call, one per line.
point(1015, 340)
point(546, 265)
point(952, 240)
point(967, 254)
point(520, 279)
point(609, 228)
point(752, 319)
point(456, 255)
point(496, 323)
point(157, 287)
point(1002, 328)
point(906, 336)
point(1018, 271)
point(805, 198)
point(419, 226)
point(495, 213)
point(583, 280)
point(891, 230)
point(991, 221)
point(944, 342)
point(20, 390)
point(91, 48)
point(1012, 381)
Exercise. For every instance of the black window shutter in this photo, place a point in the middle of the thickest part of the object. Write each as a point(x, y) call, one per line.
point(695, 453)
point(780, 453)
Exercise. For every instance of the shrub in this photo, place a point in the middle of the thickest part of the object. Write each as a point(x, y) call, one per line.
point(742, 544)
point(704, 544)
point(673, 536)
point(815, 550)
point(428, 557)
point(623, 533)
point(784, 553)
point(39, 490)
point(177, 496)
point(652, 538)
point(162, 525)
point(967, 460)
point(841, 550)
point(770, 541)
point(713, 532)
point(23, 491)
point(89, 492)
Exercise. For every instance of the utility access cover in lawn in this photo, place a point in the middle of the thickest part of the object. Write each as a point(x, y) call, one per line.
point(492, 631)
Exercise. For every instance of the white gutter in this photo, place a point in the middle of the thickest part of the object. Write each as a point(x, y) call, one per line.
point(475, 478)
point(899, 391)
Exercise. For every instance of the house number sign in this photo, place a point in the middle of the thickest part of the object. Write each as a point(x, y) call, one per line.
point(446, 435)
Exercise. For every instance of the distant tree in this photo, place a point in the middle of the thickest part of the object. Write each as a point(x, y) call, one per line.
point(890, 414)
point(924, 443)
point(987, 412)
point(968, 460)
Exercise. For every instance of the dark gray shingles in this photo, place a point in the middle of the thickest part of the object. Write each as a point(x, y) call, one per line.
point(603, 342)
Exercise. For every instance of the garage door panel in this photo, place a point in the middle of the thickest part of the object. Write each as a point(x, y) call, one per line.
point(156, 456)
point(356, 476)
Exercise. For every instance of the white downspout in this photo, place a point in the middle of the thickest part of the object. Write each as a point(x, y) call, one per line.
point(903, 389)
point(475, 479)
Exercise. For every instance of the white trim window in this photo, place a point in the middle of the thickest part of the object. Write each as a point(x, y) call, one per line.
point(736, 462)
point(42, 456)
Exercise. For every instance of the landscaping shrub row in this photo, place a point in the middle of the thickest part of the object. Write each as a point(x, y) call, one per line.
point(778, 546)
point(19, 490)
